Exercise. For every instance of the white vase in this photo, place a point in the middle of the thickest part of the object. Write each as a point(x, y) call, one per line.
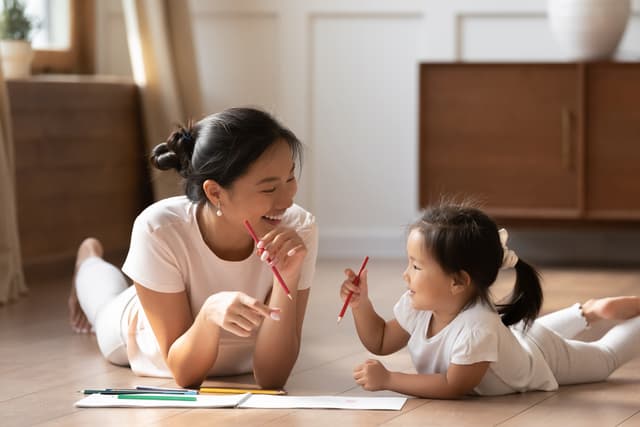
point(588, 30)
point(16, 56)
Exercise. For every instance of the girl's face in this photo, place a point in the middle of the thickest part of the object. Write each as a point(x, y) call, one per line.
point(429, 286)
point(264, 193)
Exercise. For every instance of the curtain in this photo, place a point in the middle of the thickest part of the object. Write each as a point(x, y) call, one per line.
point(12, 282)
point(162, 53)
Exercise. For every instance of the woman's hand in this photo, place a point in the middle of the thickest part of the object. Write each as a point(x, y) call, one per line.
point(371, 375)
point(360, 291)
point(237, 312)
point(285, 248)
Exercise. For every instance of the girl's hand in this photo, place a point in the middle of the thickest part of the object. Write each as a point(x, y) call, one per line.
point(237, 312)
point(360, 291)
point(371, 375)
point(285, 248)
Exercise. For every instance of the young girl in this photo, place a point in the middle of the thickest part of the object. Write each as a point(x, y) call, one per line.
point(459, 341)
point(203, 301)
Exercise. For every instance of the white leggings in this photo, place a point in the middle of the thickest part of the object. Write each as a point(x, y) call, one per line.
point(574, 361)
point(104, 296)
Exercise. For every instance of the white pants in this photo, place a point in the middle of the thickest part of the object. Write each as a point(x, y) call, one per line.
point(575, 361)
point(104, 296)
point(108, 300)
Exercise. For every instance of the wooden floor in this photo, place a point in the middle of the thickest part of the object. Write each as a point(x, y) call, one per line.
point(43, 365)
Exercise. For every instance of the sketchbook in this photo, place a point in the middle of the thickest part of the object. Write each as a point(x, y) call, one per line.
point(199, 401)
point(249, 400)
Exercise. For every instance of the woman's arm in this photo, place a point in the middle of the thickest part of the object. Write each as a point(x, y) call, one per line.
point(190, 346)
point(458, 381)
point(278, 343)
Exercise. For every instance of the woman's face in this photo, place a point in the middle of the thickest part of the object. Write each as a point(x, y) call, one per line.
point(264, 193)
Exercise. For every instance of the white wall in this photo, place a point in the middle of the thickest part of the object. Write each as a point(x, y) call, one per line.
point(343, 74)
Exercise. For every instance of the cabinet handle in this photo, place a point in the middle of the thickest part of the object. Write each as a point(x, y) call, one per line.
point(566, 139)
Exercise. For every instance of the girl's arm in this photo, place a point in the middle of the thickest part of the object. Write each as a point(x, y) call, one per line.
point(458, 381)
point(377, 335)
point(190, 346)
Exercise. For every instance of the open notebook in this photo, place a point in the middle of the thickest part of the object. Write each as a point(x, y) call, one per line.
point(247, 400)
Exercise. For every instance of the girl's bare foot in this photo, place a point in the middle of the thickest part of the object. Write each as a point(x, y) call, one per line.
point(612, 308)
point(77, 319)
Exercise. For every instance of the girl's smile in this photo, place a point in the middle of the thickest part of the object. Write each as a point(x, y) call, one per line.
point(428, 284)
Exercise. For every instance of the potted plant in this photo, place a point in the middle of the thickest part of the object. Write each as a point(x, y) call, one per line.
point(15, 39)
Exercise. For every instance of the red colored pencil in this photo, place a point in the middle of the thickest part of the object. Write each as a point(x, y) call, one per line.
point(355, 282)
point(273, 268)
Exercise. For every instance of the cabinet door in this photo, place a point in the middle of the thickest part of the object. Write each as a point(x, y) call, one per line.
point(613, 141)
point(504, 134)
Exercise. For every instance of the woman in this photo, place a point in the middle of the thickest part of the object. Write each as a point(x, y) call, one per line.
point(204, 302)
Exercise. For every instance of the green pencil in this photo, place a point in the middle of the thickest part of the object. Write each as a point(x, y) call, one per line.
point(158, 397)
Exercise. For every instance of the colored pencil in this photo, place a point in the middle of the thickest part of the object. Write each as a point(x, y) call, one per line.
point(225, 390)
point(152, 389)
point(355, 282)
point(144, 396)
point(273, 268)
point(134, 391)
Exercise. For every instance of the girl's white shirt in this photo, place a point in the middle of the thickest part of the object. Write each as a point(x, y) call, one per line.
point(168, 254)
point(475, 335)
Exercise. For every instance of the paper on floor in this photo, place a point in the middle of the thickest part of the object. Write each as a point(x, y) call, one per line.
point(112, 401)
point(324, 402)
point(250, 401)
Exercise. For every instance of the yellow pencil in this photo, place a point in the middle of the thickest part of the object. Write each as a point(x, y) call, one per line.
point(224, 390)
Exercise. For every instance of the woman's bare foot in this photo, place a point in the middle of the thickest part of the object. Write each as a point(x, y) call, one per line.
point(77, 319)
point(612, 308)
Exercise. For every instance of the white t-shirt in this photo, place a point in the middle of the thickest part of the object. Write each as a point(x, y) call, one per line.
point(168, 254)
point(477, 334)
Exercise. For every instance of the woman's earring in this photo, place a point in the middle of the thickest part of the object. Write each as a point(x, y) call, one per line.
point(218, 210)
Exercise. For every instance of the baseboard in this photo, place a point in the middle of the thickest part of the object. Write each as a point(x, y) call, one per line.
point(61, 265)
point(617, 247)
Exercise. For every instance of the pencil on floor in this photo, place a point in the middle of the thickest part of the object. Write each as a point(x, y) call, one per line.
point(158, 397)
point(226, 390)
point(154, 389)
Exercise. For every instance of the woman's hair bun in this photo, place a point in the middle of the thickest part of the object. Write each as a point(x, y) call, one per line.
point(176, 151)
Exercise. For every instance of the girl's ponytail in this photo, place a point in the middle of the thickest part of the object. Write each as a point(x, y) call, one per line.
point(525, 300)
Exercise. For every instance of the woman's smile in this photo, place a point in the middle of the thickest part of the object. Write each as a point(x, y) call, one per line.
point(273, 220)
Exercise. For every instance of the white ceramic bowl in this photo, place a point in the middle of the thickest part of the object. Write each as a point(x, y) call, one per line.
point(588, 30)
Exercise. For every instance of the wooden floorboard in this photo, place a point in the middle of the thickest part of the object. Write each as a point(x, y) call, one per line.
point(43, 365)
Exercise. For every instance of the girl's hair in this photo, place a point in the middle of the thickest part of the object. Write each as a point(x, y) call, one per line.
point(221, 147)
point(463, 238)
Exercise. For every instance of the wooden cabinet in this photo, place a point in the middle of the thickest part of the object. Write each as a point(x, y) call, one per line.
point(612, 133)
point(533, 141)
point(80, 164)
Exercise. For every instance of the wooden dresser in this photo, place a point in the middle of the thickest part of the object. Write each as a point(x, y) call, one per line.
point(80, 164)
point(533, 142)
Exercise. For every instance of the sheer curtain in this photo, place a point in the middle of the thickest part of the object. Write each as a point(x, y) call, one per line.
point(12, 282)
point(159, 34)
